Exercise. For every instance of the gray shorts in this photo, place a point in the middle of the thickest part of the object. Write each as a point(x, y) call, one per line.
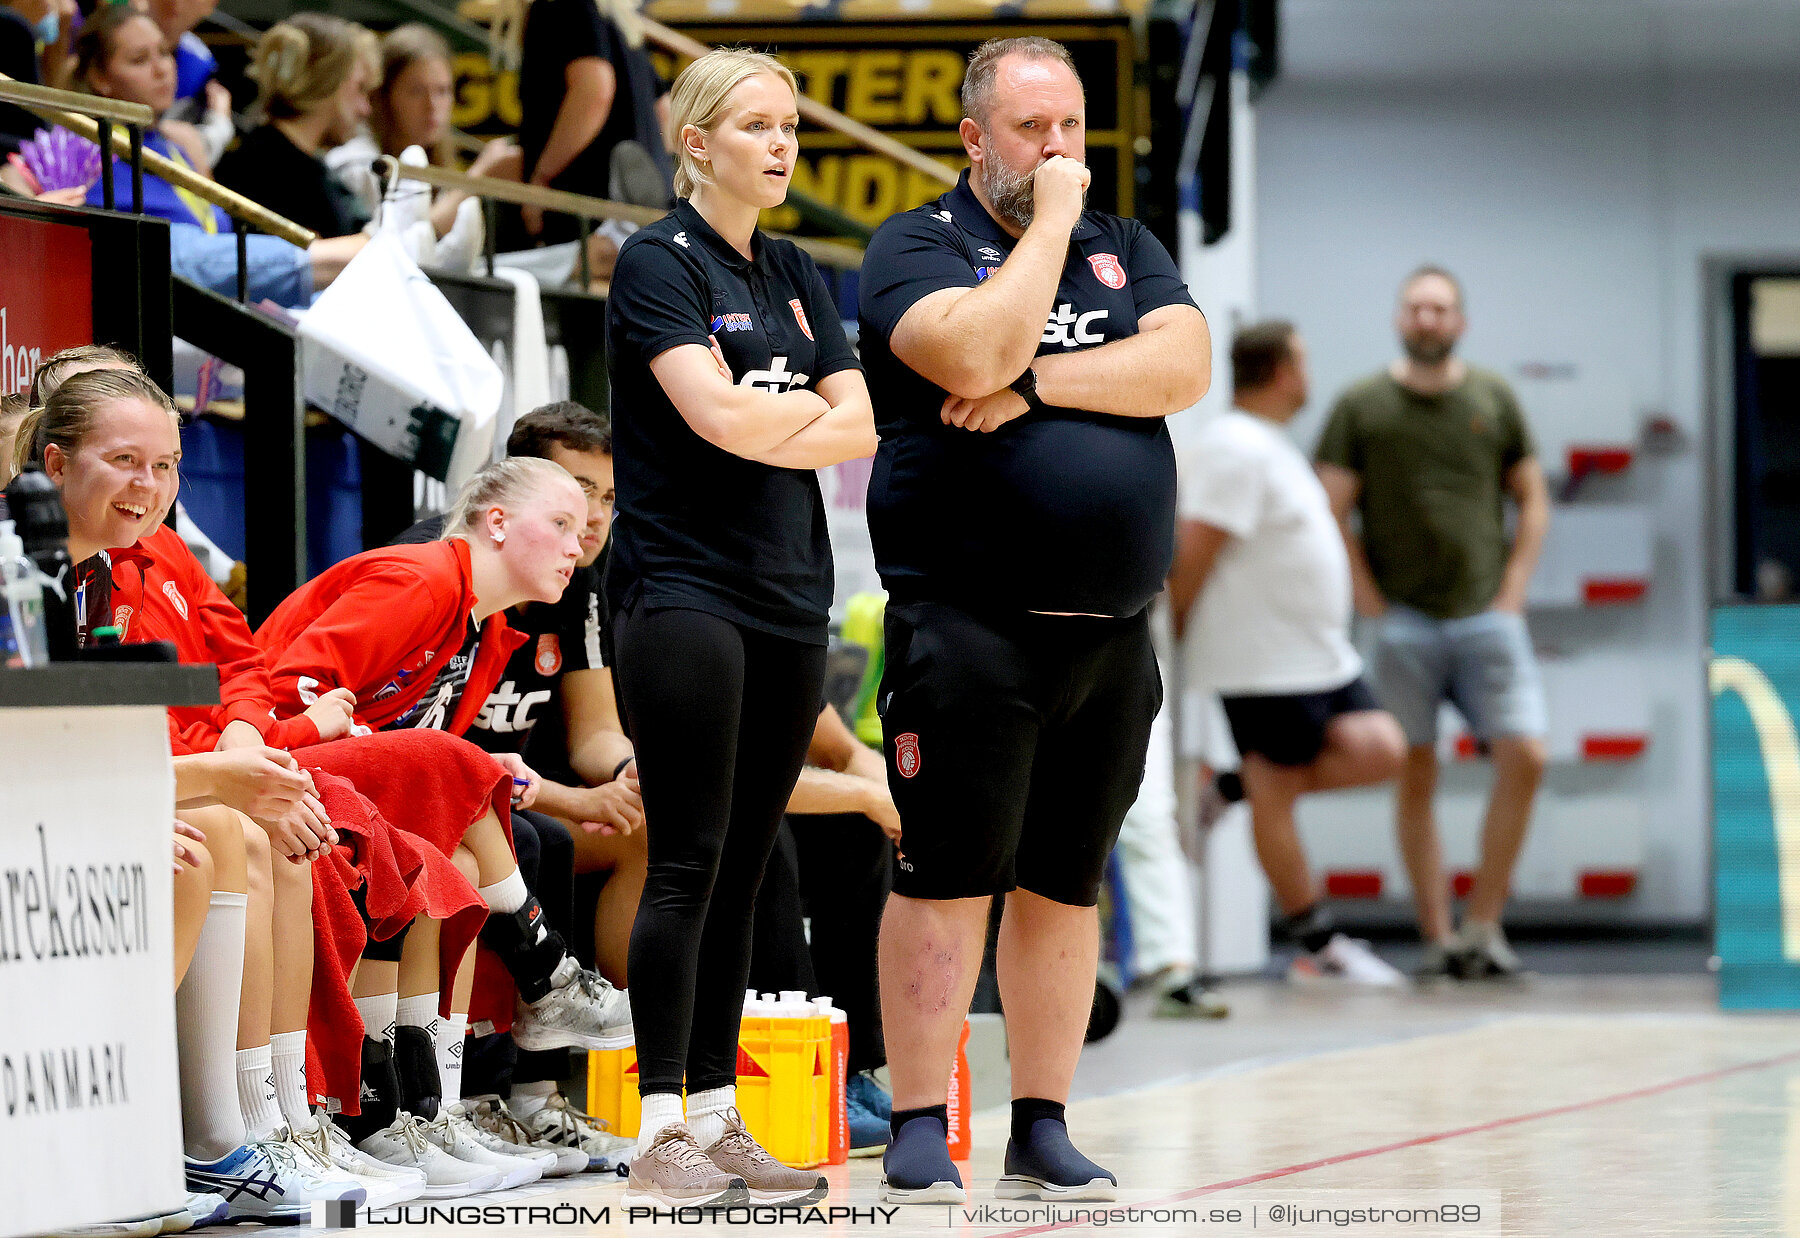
point(1482, 664)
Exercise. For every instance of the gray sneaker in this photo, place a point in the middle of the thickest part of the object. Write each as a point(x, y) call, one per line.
point(675, 1173)
point(1484, 954)
point(1436, 966)
point(769, 1181)
point(585, 1012)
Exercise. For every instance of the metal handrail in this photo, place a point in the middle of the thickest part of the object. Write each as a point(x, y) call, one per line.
point(846, 257)
point(74, 111)
point(27, 94)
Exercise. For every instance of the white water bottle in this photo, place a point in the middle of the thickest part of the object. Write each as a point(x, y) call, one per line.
point(23, 597)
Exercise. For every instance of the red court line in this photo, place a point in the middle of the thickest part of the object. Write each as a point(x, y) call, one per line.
point(1654, 1089)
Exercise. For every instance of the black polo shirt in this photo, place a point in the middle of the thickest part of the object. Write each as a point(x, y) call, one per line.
point(694, 525)
point(1062, 511)
point(524, 713)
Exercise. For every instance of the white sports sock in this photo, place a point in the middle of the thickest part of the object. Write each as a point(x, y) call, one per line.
point(419, 1011)
point(287, 1054)
point(530, 1098)
point(206, 1018)
point(256, 1093)
point(450, 1043)
point(706, 1114)
point(507, 894)
point(660, 1110)
point(378, 1015)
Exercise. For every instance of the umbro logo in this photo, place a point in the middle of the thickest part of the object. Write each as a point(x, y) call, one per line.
point(991, 254)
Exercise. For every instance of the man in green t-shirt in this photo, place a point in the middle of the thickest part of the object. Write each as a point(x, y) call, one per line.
point(1426, 452)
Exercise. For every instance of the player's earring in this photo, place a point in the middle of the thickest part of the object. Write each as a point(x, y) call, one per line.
point(499, 539)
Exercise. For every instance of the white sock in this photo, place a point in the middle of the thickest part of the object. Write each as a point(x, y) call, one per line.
point(287, 1053)
point(660, 1110)
point(530, 1098)
point(378, 1015)
point(450, 1035)
point(706, 1114)
point(256, 1093)
point(507, 894)
point(206, 1018)
point(419, 1011)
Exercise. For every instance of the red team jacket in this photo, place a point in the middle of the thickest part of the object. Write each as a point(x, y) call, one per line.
point(382, 623)
point(161, 592)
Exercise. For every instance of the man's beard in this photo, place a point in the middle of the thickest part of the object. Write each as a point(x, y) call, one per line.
point(1012, 194)
point(1426, 349)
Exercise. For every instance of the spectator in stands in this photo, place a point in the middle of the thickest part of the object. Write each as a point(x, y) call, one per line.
point(555, 706)
point(314, 73)
point(833, 866)
point(594, 111)
point(1258, 551)
point(200, 98)
point(411, 107)
point(120, 54)
point(26, 26)
point(1427, 451)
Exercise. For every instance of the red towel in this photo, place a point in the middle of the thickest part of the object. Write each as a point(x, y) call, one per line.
point(402, 800)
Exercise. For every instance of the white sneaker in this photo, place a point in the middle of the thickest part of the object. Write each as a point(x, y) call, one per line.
point(446, 1177)
point(493, 1117)
point(200, 1208)
point(584, 1013)
point(1348, 961)
point(266, 1181)
point(452, 1131)
point(387, 1185)
point(561, 1123)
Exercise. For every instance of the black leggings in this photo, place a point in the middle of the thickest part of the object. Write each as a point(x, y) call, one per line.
point(720, 716)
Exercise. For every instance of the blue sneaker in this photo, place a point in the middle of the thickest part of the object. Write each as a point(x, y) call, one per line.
point(871, 1095)
point(917, 1169)
point(1049, 1168)
point(868, 1130)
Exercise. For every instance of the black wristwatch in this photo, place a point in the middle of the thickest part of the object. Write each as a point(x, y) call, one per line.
point(1026, 385)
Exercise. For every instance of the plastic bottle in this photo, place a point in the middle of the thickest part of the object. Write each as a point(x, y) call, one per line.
point(838, 1140)
point(25, 639)
point(42, 524)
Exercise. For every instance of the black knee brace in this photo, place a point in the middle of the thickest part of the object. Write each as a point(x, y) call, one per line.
point(388, 949)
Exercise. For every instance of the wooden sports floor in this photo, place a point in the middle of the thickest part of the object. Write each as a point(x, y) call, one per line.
point(1580, 1105)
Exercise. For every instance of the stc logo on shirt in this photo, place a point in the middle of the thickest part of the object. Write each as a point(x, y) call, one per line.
point(1068, 329)
point(776, 378)
point(507, 712)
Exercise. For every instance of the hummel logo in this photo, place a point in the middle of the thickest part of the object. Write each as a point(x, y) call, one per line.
point(943, 217)
point(681, 239)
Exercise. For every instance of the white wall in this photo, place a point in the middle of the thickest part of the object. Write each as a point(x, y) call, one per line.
point(1577, 214)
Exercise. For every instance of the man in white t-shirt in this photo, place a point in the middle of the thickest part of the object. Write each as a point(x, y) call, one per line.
point(1262, 581)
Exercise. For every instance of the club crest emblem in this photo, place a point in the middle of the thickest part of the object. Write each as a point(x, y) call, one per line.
point(1107, 270)
point(906, 754)
point(549, 654)
point(174, 595)
point(800, 317)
